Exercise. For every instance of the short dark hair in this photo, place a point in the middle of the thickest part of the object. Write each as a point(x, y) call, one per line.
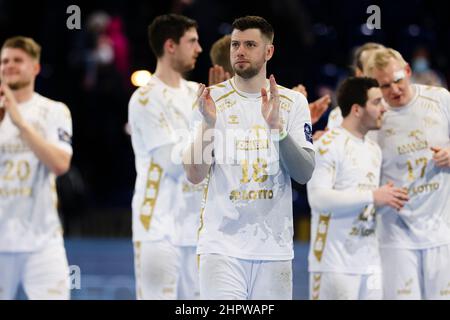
point(168, 26)
point(254, 22)
point(31, 47)
point(353, 90)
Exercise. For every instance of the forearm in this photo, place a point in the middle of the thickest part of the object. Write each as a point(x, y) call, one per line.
point(298, 161)
point(54, 158)
point(197, 158)
point(339, 202)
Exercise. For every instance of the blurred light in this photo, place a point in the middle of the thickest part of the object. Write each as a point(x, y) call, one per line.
point(414, 30)
point(320, 29)
point(330, 70)
point(140, 78)
point(366, 31)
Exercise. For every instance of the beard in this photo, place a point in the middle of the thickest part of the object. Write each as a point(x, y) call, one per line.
point(182, 66)
point(18, 84)
point(246, 73)
point(249, 72)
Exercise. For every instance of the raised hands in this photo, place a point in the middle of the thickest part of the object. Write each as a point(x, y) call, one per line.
point(217, 75)
point(207, 106)
point(9, 103)
point(318, 107)
point(270, 107)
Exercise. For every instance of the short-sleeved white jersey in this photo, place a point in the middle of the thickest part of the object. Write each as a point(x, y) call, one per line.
point(344, 240)
point(28, 202)
point(247, 211)
point(163, 206)
point(406, 136)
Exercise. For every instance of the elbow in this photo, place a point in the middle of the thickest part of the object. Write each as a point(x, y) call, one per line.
point(60, 170)
point(62, 167)
point(306, 175)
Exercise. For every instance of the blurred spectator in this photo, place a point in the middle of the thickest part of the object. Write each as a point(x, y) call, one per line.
point(422, 73)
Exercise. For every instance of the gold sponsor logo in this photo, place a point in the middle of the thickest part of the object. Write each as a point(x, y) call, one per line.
point(233, 119)
point(366, 187)
point(429, 187)
point(261, 194)
point(14, 148)
point(227, 104)
point(252, 144)
point(16, 192)
point(412, 147)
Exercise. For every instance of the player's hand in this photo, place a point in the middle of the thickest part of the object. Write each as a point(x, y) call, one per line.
point(301, 88)
point(9, 102)
point(207, 106)
point(318, 107)
point(217, 75)
point(441, 157)
point(388, 195)
point(270, 107)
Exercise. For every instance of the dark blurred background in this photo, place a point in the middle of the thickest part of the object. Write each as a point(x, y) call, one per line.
point(90, 69)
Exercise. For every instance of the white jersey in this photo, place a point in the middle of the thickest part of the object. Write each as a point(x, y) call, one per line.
point(247, 211)
point(406, 136)
point(335, 118)
point(163, 206)
point(28, 215)
point(344, 240)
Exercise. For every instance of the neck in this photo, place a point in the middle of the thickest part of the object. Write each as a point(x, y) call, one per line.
point(410, 92)
point(354, 127)
point(167, 74)
point(24, 94)
point(252, 85)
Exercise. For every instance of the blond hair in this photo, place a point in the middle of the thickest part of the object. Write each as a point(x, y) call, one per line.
point(31, 47)
point(220, 53)
point(380, 58)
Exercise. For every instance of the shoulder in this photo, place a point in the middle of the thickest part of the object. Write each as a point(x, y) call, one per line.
point(292, 100)
point(53, 106)
point(142, 96)
point(432, 93)
point(222, 90)
point(330, 143)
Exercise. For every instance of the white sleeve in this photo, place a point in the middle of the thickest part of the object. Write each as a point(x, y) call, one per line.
point(59, 128)
point(322, 196)
point(299, 124)
point(150, 123)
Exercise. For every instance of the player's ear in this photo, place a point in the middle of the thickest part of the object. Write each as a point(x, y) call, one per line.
point(356, 110)
point(169, 46)
point(408, 70)
point(36, 68)
point(269, 51)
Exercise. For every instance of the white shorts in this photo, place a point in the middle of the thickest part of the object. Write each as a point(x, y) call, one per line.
point(165, 272)
point(416, 274)
point(228, 278)
point(44, 274)
point(343, 286)
point(188, 282)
